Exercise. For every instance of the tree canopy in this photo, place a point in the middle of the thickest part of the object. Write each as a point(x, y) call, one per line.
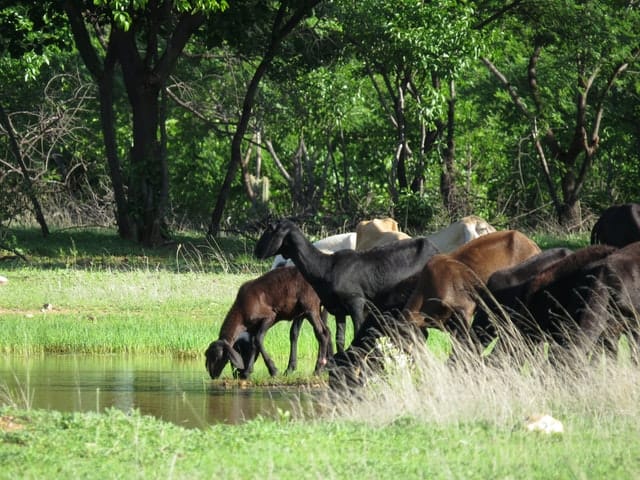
point(153, 114)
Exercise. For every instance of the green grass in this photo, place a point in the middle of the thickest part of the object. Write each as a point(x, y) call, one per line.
point(572, 241)
point(116, 445)
point(102, 249)
point(113, 312)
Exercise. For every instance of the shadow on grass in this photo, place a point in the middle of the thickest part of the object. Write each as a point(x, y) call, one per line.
point(101, 248)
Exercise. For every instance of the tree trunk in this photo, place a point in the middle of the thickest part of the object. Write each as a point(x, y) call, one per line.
point(569, 211)
point(281, 29)
point(107, 121)
point(448, 188)
point(147, 53)
point(102, 73)
point(399, 181)
point(236, 145)
point(146, 181)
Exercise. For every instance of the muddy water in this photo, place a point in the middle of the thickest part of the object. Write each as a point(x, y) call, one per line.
point(178, 391)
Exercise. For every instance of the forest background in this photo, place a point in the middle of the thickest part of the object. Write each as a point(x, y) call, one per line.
point(152, 116)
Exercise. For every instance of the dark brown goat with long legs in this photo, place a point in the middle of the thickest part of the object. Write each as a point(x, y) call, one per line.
point(280, 294)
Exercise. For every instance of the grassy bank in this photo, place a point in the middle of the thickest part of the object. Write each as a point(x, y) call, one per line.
point(114, 312)
point(114, 445)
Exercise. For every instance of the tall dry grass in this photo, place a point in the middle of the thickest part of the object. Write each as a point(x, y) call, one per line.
point(501, 388)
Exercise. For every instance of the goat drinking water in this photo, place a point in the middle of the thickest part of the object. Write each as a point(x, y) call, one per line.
point(280, 294)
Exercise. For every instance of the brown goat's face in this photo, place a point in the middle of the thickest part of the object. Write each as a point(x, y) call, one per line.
point(216, 358)
point(218, 354)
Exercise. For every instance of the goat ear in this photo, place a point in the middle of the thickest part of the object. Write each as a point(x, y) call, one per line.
point(234, 357)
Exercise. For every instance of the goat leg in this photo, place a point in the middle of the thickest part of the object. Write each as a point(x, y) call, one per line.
point(259, 339)
point(341, 324)
point(294, 332)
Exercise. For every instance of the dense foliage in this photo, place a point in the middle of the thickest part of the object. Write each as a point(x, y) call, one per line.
point(151, 115)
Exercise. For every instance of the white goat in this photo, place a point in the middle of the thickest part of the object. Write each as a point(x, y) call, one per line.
point(332, 244)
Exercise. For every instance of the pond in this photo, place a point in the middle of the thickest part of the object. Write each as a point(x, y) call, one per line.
point(175, 390)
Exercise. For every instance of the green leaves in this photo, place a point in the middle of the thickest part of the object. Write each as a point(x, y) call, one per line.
point(435, 37)
point(122, 11)
point(30, 36)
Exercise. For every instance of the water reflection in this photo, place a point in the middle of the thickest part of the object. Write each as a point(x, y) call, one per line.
point(175, 390)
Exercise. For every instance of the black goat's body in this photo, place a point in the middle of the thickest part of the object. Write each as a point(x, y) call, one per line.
point(351, 367)
point(520, 273)
point(506, 288)
point(347, 280)
point(365, 356)
point(619, 225)
point(617, 279)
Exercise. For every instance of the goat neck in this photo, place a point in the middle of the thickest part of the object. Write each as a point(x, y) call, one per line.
point(232, 326)
point(312, 263)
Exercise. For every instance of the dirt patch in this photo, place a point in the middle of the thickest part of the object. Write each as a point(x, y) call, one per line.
point(46, 308)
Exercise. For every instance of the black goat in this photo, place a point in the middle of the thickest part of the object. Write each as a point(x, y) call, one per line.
point(618, 225)
point(280, 294)
point(506, 287)
point(351, 367)
point(610, 301)
point(346, 280)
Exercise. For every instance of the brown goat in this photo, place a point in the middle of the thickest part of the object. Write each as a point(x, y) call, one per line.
point(280, 294)
point(377, 232)
point(449, 283)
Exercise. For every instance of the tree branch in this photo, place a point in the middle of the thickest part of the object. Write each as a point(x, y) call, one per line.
point(513, 93)
point(496, 15)
point(277, 161)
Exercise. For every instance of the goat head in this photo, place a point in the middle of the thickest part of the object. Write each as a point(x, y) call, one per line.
point(217, 356)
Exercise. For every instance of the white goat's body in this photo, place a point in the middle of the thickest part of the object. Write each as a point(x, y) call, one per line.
point(332, 244)
point(377, 232)
point(459, 233)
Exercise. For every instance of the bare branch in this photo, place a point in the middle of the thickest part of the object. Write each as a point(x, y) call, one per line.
point(277, 161)
point(513, 93)
point(214, 125)
point(533, 80)
point(381, 97)
point(499, 13)
point(617, 72)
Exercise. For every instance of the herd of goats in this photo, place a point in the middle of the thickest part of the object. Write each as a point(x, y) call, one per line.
point(467, 279)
